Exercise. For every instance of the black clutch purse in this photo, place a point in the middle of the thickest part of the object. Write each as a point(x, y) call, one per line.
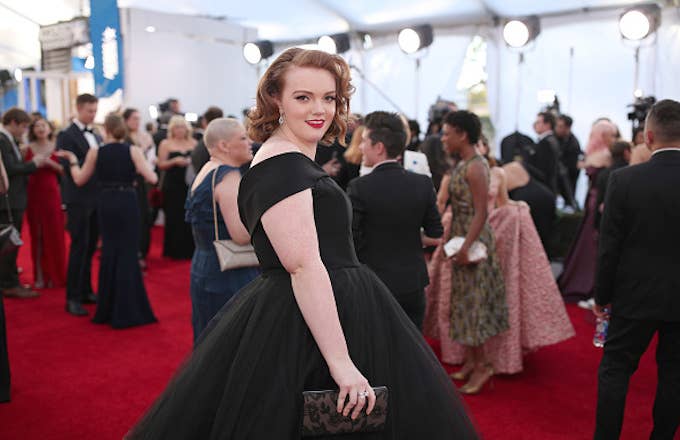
point(321, 417)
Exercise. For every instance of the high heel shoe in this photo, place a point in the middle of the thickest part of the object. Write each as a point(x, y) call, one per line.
point(462, 374)
point(475, 389)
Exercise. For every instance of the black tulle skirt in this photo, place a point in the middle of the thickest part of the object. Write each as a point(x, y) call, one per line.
point(245, 378)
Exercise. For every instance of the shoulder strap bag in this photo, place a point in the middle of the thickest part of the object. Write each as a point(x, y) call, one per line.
point(230, 254)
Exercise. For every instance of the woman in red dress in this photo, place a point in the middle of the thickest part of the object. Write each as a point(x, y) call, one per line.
point(43, 211)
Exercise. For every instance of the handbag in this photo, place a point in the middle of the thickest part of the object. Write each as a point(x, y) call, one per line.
point(477, 251)
point(321, 417)
point(156, 192)
point(10, 238)
point(229, 254)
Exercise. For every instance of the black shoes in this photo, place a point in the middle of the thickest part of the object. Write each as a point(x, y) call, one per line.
point(75, 309)
point(89, 299)
point(20, 292)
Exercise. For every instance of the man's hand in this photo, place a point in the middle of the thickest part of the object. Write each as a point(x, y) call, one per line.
point(39, 161)
point(602, 311)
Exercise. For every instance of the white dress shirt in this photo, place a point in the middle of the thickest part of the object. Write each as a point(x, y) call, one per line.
point(89, 137)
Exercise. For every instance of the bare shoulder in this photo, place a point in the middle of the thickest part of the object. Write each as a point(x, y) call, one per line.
point(498, 173)
point(274, 147)
point(477, 167)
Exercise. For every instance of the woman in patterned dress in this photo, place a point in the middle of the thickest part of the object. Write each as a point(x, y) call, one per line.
point(478, 306)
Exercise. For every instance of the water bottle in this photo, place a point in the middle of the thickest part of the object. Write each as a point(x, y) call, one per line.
point(601, 330)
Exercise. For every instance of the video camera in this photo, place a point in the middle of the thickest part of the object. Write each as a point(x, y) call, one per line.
point(641, 107)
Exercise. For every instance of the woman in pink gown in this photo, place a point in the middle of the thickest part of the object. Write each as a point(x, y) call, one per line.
point(536, 311)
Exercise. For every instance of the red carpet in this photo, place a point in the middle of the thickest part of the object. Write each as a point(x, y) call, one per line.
point(72, 379)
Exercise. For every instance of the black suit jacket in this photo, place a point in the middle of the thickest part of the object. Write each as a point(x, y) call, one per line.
point(390, 206)
point(571, 152)
point(17, 175)
point(199, 156)
point(639, 254)
point(601, 185)
point(545, 159)
point(72, 139)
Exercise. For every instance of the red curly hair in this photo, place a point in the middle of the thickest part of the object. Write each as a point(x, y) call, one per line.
point(265, 115)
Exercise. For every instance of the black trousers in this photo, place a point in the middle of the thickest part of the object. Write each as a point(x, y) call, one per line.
point(82, 224)
point(626, 342)
point(413, 303)
point(9, 276)
point(4, 358)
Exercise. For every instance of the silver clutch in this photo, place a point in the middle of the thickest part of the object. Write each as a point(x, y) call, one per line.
point(229, 254)
point(477, 251)
point(234, 256)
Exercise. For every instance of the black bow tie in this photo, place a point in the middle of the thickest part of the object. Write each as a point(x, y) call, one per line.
point(88, 129)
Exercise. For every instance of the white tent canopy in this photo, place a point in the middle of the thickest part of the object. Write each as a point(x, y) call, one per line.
point(579, 53)
point(280, 20)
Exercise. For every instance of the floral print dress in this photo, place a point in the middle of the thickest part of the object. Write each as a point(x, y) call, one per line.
point(478, 304)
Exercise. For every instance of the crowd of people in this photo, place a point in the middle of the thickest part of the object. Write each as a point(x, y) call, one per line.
point(367, 238)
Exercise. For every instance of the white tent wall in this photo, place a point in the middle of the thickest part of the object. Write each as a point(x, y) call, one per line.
point(196, 60)
point(394, 73)
point(602, 81)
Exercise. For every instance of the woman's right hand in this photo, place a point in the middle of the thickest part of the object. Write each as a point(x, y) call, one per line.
point(355, 391)
point(65, 154)
point(181, 161)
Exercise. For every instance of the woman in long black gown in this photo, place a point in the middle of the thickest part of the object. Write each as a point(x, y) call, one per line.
point(122, 300)
point(174, 155)
point(316, 318)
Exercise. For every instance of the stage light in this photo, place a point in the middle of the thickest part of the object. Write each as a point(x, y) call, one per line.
point(327, 44)
point(18, 74)
point(413, 39)
point(519, 32)
point(367, 41)
point(153, 112)
point(337, 43)
point(639, 22)
point(257, 51)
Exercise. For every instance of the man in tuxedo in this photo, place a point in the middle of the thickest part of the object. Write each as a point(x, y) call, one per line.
point(5, 381)
point(14, 125)
point(81, 204)
point(638, 278)
point(390, 206)
point(570, 149)
point(547, 159)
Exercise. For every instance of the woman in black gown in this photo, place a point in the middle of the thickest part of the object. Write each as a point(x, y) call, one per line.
point(174, 155)
point(122, 300)
point(316, 318)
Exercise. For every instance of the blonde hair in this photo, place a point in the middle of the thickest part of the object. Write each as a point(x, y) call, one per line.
point(178, 120)
point(353, 153)
point(220, 129)
point(264, 117)
point(596, 141)
point(114, 124)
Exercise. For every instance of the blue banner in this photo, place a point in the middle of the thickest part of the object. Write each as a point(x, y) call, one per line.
point(107, 47)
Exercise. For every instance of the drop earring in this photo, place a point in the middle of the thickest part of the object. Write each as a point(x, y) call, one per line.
point(280, 118)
